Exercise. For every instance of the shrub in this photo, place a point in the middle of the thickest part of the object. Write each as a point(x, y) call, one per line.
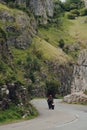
point(19, 62)
point(71, 16)
point(73, 4)
point(75, 11)
point(85, 92)
point(83, 12)
point(2, 67)
point(11, 5)
point(52, 87)
point(61, 43)
point(2, 34)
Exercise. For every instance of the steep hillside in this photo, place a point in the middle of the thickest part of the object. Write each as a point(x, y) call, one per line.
point(50, 52)
point(78, 30)
point(37, 51)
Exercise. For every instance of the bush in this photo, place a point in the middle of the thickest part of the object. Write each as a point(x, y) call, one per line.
point(85, 92)
point(61, 43)
point(2, 67)
point(73, 4)
point(11, 5)
point(3, 34)
point(83, 12)
point(75, 11)
point(71, 16)
point(52, 87)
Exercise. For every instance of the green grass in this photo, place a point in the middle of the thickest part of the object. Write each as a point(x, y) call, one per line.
point(78, 29)
point(53, 34)
point(15, 114)
point(5, 8)
point(85, 92)
point(49, 51)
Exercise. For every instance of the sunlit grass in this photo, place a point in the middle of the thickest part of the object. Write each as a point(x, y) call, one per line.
point(53, 34)
point(78, 29)
point(49, 52)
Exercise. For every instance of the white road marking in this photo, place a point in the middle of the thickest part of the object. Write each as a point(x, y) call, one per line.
point(67, 123)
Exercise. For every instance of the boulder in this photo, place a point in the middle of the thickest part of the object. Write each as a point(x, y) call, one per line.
point(77, 97)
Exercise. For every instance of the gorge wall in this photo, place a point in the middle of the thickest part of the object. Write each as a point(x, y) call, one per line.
point(79, 82)
point(85, 1)
point(18, 27)
point(42, 9)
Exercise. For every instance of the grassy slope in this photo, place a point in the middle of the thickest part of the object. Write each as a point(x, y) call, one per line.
point(78, 30)
point(53, 34)
point(49, 51)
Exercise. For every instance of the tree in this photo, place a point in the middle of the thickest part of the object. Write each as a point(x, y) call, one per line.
point(73, 4)
point(52, 87)
point(61, 43)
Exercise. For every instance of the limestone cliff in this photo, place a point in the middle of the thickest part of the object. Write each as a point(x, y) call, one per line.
point(42, 8)
point(18, 27)
point(85, 1)
point(79, 82)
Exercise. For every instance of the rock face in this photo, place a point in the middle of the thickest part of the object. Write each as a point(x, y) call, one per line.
point(63, 74)
point(15, 93)
point(85, 1)
point(42, 8)
point(18, 26)
point(79, 82)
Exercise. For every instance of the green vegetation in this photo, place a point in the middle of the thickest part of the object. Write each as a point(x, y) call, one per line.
point(52, 87)
point(85, 92)
point(73, 4)
point(78, 30)
point(52, 45)
point(49, 51)
point(17, 113)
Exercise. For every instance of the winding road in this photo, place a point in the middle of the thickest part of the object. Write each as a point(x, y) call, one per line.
point(63, 117)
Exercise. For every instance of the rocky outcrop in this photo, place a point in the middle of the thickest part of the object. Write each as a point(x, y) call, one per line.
point(79, 82)
point(18, 27)
point(12, 92)
point(85, 1)
point(42, 9)
point(78, 97)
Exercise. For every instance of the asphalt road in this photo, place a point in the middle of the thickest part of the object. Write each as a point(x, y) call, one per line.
point(63, 117)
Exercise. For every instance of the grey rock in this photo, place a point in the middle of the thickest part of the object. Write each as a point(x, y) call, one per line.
point(85, 1)
point(41, 8)
point(77, 97)
point(21, 27)
point(79, 82)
